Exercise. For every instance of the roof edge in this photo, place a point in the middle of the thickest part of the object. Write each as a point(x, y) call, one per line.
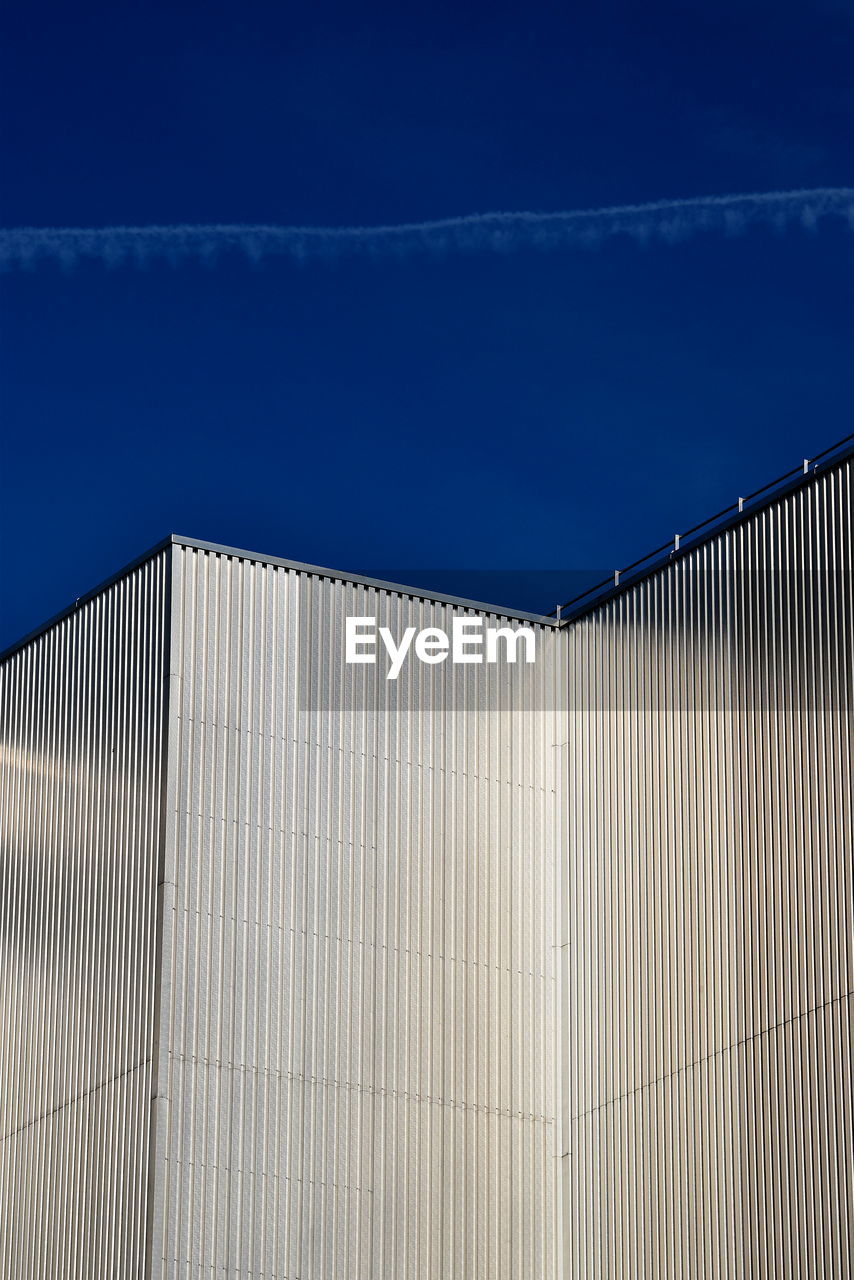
point(297, 566)
point(339, 575)
point(69, 609)
point(569, 613)
point(686, 544)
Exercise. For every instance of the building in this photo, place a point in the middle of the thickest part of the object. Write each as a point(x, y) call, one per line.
point(530, 973)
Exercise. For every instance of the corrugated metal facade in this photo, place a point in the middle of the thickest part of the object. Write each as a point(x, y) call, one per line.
point(708, 943)
point(80, 796)
point(358, 1036)
point(444, 979)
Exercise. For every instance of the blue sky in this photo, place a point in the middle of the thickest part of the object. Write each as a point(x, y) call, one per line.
point(564, 411)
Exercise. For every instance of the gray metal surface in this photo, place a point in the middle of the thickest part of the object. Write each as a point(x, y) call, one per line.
point(709, 953)
point(337, 575)
point(80, 768)
point(682, 544)
point(357, 1039)
point(316, 571)
point(446, 979)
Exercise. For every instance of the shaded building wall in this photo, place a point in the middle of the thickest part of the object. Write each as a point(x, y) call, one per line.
point(357, 1040)
point(707, 939)
point(81, 724)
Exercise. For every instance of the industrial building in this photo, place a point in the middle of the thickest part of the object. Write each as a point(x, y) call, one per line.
point(526, 971)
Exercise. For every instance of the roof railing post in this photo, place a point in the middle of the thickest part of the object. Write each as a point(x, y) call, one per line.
point(806, 466)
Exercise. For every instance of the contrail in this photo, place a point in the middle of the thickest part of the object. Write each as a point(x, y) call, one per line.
point(667, 221)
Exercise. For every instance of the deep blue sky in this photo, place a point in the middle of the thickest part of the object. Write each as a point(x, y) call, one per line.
point(564, 411)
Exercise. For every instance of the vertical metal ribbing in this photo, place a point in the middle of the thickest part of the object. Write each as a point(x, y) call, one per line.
point(708, 1001)
point(357, 1031)
point(356, 1028)
point(80, 775)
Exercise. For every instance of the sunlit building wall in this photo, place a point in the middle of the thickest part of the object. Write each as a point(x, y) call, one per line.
point(307, 975)
point(357, 1034)
point(330, 1052)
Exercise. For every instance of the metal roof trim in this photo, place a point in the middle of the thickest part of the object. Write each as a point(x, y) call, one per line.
point(297, 566)
point(72, 608)
point(630, 578)
point(338, 575)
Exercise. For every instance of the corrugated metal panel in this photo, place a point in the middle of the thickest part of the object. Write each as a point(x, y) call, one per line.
point(358, 1036)
point(350, 1035)
point(709, 952)
point(80, 765)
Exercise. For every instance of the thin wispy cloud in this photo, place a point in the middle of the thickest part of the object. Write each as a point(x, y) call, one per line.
point(663, 221)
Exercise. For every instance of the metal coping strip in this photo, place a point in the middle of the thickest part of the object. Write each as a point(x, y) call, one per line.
point(310, 570)
point(397, 588)
point(84, 599)
point(685, 544)
point(579, 607)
